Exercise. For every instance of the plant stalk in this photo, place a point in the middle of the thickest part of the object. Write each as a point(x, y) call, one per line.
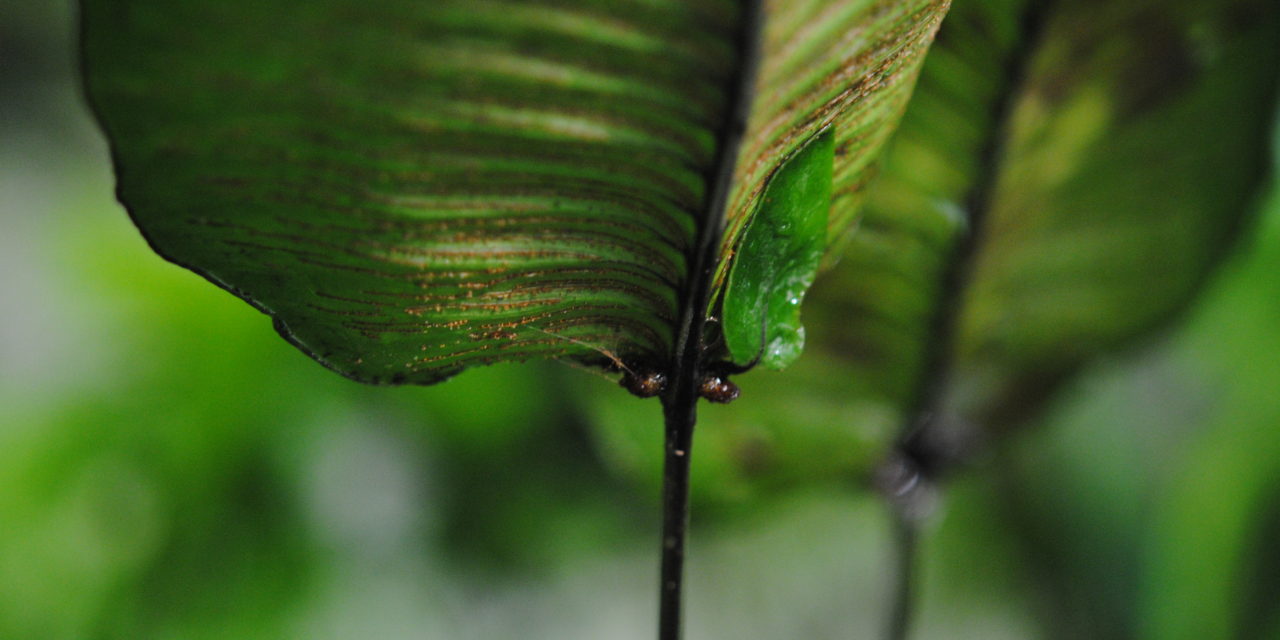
point(687, 364)
point(680, 417)
point(906, 534)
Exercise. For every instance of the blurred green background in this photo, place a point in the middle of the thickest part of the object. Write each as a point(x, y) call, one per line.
point(170, 468)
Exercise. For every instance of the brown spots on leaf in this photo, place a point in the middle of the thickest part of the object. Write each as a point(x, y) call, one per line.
point(499, 334)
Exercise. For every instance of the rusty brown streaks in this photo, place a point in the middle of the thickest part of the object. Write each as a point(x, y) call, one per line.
point(451, 192)
point(460, 256)
point(494, 334)
point(480, 353)
point(425, 279)
point(505, 274)
point(594, 283)
point(540, 287)
point(421, 229)
point(561, 345)
point(886, 53)
point(403, 327)
point(848, 144)
point(511, 182)
point(503, 199)
point(855, 57)
point(576, 311)
point(782, 47)
point(452, 256)
point(494, 312)
point(488, 308)
point(479, 311)
point(552, 348)
point(595, 312)
point(675, 218)
point(461, 355)
point(482, 248)
point(305, 257)
point(560, 276)
point(515, 231)
point(781, 135)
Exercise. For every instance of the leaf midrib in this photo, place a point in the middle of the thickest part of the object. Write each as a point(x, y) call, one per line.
point(685, 367)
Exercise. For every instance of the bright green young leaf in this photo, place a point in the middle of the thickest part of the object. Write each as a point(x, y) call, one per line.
point(778, 260)
point(1118, 177)
point(410, 188)
point(843, 66)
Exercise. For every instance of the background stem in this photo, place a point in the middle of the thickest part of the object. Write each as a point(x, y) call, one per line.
point(906, 534)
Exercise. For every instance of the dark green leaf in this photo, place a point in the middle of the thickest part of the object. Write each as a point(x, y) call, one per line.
point(410, 188)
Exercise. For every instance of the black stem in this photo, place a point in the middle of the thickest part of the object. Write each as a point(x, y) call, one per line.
point(906, 538)
point(680, 417)
point(687, 364)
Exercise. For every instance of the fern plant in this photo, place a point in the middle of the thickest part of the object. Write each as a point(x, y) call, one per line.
point(649, 188)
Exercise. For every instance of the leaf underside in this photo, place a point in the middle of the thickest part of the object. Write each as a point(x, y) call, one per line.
point(410, 188)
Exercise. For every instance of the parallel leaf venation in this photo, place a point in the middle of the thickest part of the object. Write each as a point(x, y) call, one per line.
point(466, 182)
point(849, 66)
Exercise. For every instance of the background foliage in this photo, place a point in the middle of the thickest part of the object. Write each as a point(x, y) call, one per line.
point(170, 468)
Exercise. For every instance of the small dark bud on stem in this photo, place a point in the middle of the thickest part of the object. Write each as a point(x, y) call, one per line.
point(718, 388)
point(645, 384)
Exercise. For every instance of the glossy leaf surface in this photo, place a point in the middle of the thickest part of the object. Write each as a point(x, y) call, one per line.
point(778, 260)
